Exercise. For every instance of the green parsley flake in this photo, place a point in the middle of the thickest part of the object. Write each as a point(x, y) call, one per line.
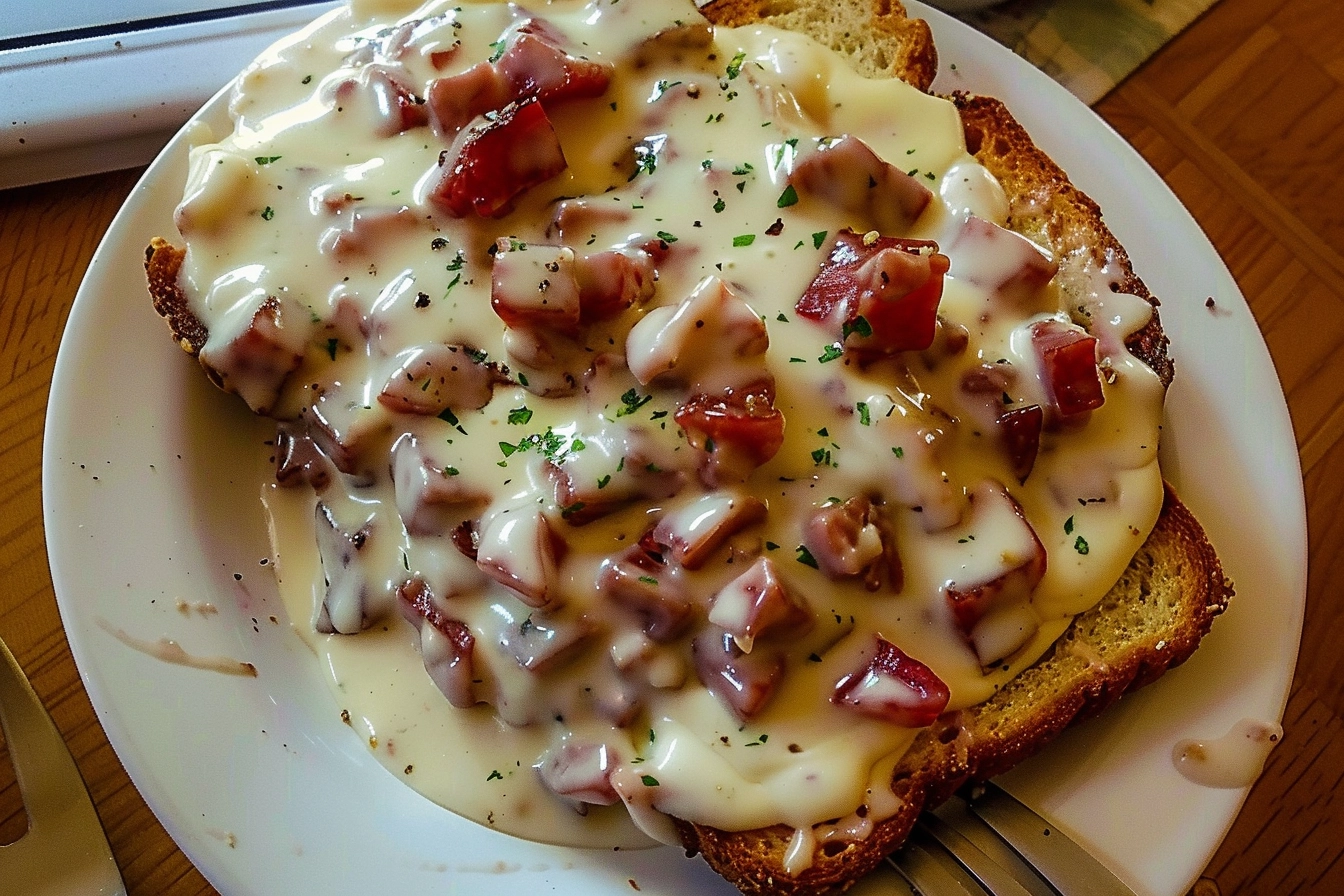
point(865, 417)
point(551, 444)
point(646, 160)
point(858, 325)
point(818, 238)
point(831, 352)
point(661, 88)
point(735, 67)
point(450, 418)
point(266, 160)
point(649, 780)
point(1080, 545)
point(788, 197)
point(1068, 526)
point(805, 556)
point(784, 151)
point(267, 213)
point(632, 401)
point(745, 239)
point(520, 416)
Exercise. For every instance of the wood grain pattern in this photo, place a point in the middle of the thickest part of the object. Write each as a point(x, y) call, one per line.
point(1243, 115)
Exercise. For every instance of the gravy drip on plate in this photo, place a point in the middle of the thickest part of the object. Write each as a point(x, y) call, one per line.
point(622, 458)
point(1233, 760)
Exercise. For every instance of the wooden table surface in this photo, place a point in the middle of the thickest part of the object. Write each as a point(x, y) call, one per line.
point(1243, 115)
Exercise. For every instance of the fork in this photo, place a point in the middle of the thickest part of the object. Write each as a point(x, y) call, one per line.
point(64, 852)
point(985, 841)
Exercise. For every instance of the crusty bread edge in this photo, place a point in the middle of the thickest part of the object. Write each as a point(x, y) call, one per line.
point(1045, 206)
point(163, 267)
point(903, 44)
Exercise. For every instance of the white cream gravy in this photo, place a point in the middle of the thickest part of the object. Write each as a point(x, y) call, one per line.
point(257, 209)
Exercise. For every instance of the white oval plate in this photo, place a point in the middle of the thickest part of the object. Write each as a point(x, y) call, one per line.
point(154, 530)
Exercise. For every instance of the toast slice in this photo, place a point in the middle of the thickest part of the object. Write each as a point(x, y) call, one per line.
point(1151, 620)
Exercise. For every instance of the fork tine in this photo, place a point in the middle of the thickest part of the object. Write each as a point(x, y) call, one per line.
point(930, 869)
point(65, 851)
point(993, 877)
point(956, 815)
point(1068, 867)
point(984, 841)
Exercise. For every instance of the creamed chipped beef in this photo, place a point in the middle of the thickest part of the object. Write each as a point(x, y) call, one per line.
point(665, 412)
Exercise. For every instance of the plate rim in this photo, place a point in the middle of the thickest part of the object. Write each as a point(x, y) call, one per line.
point(203, 847)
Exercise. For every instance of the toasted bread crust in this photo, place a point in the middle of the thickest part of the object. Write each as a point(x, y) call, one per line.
point(1045, 206)
point(163, 264)
point(883, 43)
point(1149, 622)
